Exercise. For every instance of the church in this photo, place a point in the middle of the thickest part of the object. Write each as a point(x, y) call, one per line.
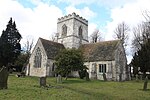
point(72, 32)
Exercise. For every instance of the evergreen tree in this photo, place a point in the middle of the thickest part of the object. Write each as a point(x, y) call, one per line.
point(10, 45)
point(142, 58)
point(135, 64)
point(9, 48)
point(69, 60)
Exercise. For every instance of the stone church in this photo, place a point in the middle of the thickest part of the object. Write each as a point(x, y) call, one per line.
point(103, 57)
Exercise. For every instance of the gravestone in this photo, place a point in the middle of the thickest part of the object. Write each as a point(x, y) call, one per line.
point(141, 77)
point(59, 79)
point(136, 77)
point(87, 76)
point(145, 83)
point(120, 77)
point(93, 75)
point(3, 77)
point(43, 81)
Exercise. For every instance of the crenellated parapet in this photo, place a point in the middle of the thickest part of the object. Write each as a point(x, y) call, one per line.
point(71, 16)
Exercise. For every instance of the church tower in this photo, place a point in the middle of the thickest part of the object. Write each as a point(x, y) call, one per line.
point(72, 30)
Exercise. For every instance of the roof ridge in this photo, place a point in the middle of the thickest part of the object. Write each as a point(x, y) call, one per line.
point(49, 40)
point(108, 41)
point(102, 42)
point(100, 51)
point(51, 48)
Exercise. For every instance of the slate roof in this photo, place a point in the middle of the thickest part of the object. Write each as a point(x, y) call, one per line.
point(51, 48)
point(101, 51)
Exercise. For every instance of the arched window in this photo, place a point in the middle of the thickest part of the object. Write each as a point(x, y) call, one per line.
point(37, 58)
point(64, 30)
point(80, 32)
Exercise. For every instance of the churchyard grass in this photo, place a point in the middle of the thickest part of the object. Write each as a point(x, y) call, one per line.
point(73, 89)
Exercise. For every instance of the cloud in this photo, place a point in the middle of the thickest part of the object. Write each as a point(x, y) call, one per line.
point(40, 21)
point(105, 3)
point(131, 14)
point(77, 2)
point(114, 3)
point(91, 28)
point(85, 12)
point(38, 2)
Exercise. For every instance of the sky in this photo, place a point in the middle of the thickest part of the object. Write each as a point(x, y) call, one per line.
point(38, 18)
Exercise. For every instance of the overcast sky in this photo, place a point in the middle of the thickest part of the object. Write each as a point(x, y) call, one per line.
point(38, 18)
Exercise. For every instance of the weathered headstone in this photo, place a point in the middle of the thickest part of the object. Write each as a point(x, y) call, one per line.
point(3, 78)
point(141, 77)
point(59, 79)
point(87, 76)
point(145, 83)
point(136, 77)
point(120, 77)
point(10, 70)
point(93, 75)
point(43, 81)
point(104, 77)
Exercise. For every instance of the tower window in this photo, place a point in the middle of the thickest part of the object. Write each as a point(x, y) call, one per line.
point(80, 32)
point(64, 30)
point(37, 58)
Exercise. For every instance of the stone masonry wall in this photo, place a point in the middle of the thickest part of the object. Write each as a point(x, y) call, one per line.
point(109, 69)
point(121, 63)
point(40, 72)
point(73, 22)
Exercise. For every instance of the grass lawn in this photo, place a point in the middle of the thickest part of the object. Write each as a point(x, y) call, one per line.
point(73, 89)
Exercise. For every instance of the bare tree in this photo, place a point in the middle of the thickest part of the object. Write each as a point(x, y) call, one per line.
point(137, 39)
point(141, 32)
point(54, 37)
point(28, 45)
point(146, 26)
point(95, 36)
point(146, 15)
point(121, 32)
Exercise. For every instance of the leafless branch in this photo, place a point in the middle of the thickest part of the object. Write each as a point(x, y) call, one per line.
point(121, 32)
point(95, 36)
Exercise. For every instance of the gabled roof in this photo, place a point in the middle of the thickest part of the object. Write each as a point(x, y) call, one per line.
point(51, 48)
point(101, 51)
